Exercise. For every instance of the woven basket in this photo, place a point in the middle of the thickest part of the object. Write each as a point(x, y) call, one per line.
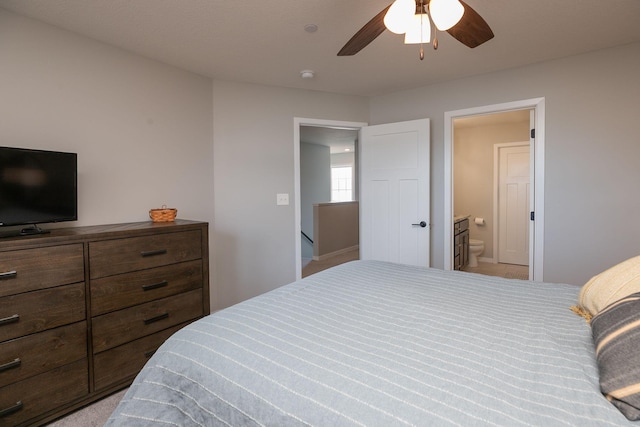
point(163, 214)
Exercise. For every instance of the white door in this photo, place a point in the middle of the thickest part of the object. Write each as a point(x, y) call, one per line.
point(513, 201)
point(394, 192)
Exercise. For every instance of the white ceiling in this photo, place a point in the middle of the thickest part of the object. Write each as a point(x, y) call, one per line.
point(263, 41)
point(339, 140)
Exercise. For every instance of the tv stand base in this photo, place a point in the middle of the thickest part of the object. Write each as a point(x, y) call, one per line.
point(30, 231)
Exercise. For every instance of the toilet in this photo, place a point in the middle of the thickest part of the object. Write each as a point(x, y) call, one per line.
point(475, 249)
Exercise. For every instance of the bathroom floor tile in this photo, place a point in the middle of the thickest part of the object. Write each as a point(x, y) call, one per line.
point(510, 271)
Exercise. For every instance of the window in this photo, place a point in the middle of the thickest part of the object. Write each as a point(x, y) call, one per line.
point(341, 184)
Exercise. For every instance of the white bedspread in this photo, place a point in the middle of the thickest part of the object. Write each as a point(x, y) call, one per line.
point(378, 344)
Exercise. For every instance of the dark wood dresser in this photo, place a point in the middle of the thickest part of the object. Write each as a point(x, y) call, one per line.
point(82, 309)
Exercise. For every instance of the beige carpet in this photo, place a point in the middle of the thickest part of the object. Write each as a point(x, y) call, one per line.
point(94, 415)
point(316, 266)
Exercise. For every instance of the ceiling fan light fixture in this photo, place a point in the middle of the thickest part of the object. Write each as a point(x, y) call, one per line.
point(419, 31)
point(445, 13)
point(399, 16)
point(466, 26)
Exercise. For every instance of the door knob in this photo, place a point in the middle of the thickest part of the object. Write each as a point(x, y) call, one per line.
point(421, 224)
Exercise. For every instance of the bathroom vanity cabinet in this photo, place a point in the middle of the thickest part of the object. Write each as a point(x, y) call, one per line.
point(460, 242)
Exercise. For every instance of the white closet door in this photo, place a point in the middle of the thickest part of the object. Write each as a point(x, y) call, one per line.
point(513, 197)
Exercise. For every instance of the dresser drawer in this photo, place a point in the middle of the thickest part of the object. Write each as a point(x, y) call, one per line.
point(34, 354)
point(125, 290)
point(119, 327)
point(32, 269)
point(37, 311)
point(125, 361)
point(37, 395)
point(111, 257)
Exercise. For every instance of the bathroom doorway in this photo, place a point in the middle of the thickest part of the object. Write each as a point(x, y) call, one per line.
point(491, 185)
point(319, 146)
point(501, 124)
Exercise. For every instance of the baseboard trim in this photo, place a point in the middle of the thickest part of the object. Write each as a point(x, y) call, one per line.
point(335, 253)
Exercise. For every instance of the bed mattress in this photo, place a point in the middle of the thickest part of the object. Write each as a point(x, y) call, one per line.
point(371, 343)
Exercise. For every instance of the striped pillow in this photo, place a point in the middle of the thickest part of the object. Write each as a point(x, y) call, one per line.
point(616, 335)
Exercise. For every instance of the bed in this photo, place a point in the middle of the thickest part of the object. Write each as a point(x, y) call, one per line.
point(371, 343)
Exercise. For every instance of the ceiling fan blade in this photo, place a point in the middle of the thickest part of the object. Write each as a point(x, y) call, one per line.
point(472, 30)
point(366, 35)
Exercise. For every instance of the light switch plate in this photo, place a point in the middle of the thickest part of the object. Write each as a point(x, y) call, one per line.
point(282, 199)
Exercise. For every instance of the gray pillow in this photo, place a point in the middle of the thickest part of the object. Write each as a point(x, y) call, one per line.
point(616, 334)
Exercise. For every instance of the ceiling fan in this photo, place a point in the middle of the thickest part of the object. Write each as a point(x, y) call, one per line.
point(453, 16)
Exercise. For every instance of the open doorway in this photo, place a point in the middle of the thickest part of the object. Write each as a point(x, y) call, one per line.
point(491, 190)
point(326, 186)
point(328, 197)
point(536, 196)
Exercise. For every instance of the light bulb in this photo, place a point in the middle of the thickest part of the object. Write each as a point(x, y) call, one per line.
point(445, 13)
point(399, 15)
point(419, 31)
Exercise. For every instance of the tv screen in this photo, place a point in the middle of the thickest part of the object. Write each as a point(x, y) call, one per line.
point(37, 186)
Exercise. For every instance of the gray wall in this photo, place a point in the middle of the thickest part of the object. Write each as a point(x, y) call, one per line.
point(148, 134)
point(254, 240)
point(591, 158)
point(142, 129)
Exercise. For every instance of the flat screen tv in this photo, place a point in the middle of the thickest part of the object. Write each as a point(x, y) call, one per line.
point(37, 187)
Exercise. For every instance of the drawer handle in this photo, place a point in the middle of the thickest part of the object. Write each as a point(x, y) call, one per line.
point(148, 354)
point(155, 285)
point(10, 365)
point(8, 275)
point(157, 318)
point(10, 319)
point(153, 253)
point(11, 409)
